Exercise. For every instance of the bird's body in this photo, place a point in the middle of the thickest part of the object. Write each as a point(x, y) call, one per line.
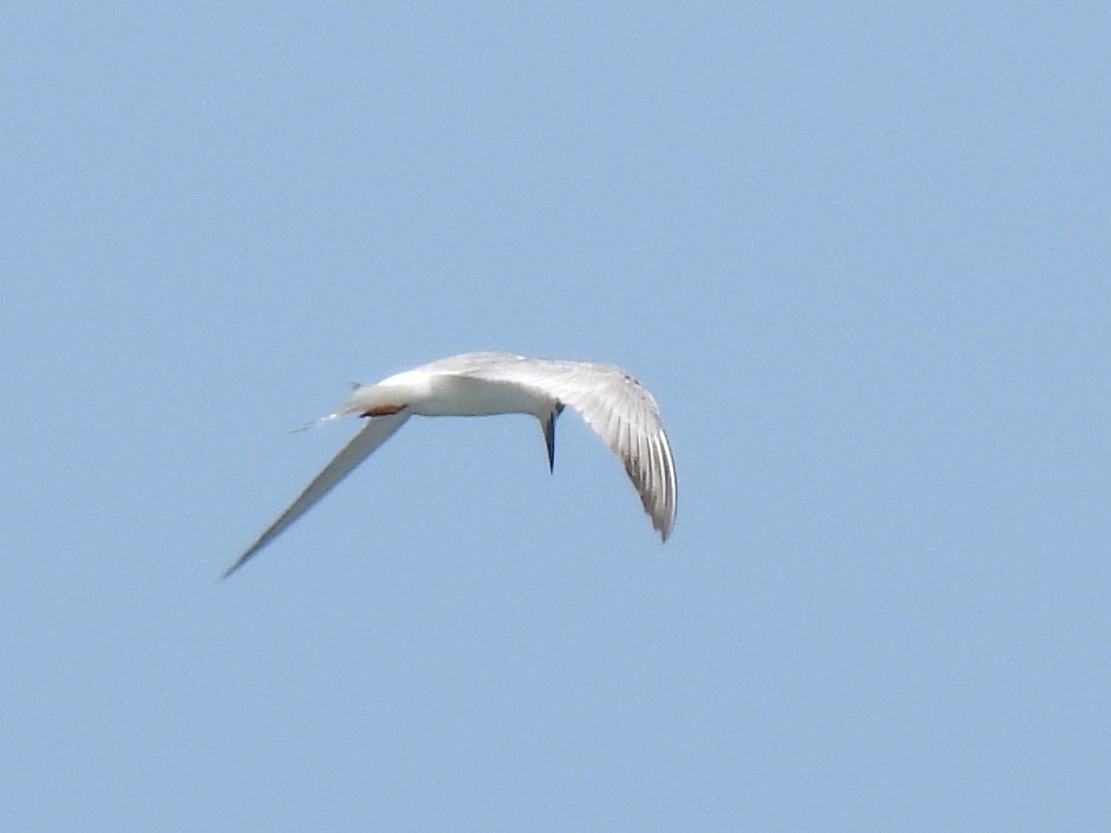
point(440, 393)
point(611, 401)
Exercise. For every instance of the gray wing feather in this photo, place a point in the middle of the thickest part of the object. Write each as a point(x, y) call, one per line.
point(376, 431)
point(611, 402)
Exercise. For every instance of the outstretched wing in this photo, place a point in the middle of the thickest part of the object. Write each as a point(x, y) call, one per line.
point(376, 431)
point(611, 402)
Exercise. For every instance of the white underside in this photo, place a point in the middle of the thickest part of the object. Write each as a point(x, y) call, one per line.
point(442, 395)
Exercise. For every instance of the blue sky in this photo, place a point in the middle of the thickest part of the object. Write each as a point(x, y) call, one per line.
point(860, 256)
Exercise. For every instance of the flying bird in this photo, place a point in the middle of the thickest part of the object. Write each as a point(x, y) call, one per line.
point(611, 402)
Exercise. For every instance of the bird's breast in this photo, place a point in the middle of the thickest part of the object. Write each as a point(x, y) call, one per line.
point(462, 396)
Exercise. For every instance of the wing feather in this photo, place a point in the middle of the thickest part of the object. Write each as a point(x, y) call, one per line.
point(376, 431)
point(614, 404)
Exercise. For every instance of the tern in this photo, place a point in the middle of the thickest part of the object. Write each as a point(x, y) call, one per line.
point(611, 402)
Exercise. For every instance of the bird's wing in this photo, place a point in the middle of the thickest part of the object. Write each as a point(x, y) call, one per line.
point(616, 406)
point(376, 431)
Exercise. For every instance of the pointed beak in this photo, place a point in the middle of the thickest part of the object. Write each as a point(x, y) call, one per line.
point(549, 434)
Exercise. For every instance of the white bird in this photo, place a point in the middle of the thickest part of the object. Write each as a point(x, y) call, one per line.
point(611, 401)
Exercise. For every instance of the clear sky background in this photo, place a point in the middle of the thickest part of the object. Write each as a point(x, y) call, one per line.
point(860, 254)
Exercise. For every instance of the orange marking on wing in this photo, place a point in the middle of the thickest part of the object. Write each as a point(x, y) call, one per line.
point(383, 410)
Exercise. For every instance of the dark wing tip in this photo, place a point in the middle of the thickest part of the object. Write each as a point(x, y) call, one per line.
point(235, 565)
